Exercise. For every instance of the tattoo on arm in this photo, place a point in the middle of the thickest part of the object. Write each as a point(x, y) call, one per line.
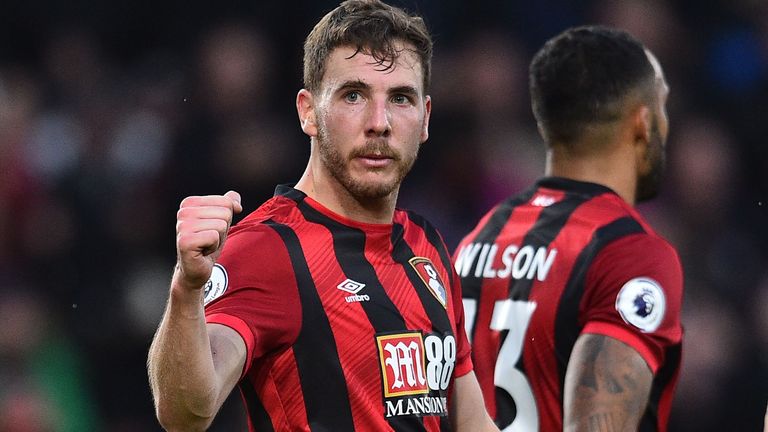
point(589, 373)
point(602, 422)
point(606, 386)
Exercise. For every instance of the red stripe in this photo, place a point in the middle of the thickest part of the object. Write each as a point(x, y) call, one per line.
point(408, 299)
point(280, 390)
point(486, 350)
point(353, 336)
point(416, 238)
point(569, 241)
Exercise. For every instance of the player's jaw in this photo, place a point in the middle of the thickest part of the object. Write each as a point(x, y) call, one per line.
point(648, 185)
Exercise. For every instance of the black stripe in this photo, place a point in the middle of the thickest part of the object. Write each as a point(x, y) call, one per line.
point(434, 238)
point(257, 414)
point(471, 285)
point(402, 253)
point(349, 249)
point(435, 310)
point(566, 322)
point(317, 359)
point(548, 225)
point(665, 375)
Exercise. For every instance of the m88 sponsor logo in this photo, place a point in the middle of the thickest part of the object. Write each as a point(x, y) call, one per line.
point(416, 371)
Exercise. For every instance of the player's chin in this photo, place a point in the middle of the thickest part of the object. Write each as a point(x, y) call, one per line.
point(375, 186)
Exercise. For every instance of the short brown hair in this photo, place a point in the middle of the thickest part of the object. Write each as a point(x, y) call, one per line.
point(371, 27)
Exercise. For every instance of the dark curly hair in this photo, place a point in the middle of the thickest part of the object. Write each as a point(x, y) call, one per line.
point(582, 76)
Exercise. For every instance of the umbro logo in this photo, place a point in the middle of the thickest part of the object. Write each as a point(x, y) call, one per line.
point(353, 287)
point(350, 286)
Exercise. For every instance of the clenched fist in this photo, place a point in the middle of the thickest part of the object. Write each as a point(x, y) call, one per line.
point(202, 223)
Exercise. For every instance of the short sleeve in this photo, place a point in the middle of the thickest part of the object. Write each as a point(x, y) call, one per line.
point(463, 350)
point(633, 293)
point(253, 291)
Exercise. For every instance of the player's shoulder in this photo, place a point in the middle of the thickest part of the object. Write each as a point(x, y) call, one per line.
point(259, 230)
point(645, 237)
point(403, 216)
point(257, 239)
point(643, 252)
point(410, 219)
point(648, 241)
point(276, 210)
point(629, 240)
point(493, 219)
point(416, 226)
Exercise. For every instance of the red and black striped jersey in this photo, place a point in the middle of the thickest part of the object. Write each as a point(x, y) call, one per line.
point(348, 326)
point(541, 268)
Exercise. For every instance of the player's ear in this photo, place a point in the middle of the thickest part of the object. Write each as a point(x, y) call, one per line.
point(427, 113)
point(641, 122)
point(305, 106)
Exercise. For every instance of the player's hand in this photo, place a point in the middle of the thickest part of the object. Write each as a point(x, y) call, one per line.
point(202, 223)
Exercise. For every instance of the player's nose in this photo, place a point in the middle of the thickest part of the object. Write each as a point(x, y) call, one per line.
point(378, 119)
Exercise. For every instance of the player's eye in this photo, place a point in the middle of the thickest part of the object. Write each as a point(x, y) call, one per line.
point(401, 99)
point(352, 96)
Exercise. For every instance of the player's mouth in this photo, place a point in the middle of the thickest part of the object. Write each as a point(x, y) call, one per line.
point(374, 160)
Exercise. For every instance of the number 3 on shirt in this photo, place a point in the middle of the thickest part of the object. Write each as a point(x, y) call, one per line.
point(514, 316)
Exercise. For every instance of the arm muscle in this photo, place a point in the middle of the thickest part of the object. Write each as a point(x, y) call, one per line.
point(192, 365)
point(468, 408)
point(606, 386)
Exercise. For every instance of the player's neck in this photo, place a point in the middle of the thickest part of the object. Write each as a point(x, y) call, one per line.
point(611, 172)
point(327, 191)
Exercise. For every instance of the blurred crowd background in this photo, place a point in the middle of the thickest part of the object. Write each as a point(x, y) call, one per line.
point(112, 112)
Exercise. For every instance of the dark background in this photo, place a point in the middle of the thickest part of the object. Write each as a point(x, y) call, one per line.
point(111, 113)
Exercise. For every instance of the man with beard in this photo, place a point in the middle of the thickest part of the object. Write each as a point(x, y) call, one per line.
point(572, 301)
point(329, 308)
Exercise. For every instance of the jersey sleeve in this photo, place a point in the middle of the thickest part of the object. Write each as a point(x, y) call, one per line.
point(463, 350)
point(253, 291)
point(633, 293)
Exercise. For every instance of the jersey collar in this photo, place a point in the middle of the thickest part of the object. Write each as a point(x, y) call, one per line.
point(570, 185)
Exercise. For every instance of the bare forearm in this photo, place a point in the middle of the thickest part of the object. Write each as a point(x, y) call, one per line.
point(468, 409)
point(180, 365)
point(606, 386)
point(192, 366)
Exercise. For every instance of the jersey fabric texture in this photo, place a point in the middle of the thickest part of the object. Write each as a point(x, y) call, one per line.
point(559, 260)
point(348, 326)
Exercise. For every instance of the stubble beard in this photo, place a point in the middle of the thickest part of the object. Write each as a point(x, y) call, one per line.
point(364, 191)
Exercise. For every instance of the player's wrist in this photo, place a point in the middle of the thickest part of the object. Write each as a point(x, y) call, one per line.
point(184, 281)
point(189, 303)
point(185, 291)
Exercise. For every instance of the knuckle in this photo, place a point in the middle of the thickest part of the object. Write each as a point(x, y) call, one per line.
point(210, 235)
point(186, 214)
point(186, 202)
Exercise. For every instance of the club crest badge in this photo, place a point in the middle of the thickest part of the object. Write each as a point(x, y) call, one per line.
point(431, 278)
